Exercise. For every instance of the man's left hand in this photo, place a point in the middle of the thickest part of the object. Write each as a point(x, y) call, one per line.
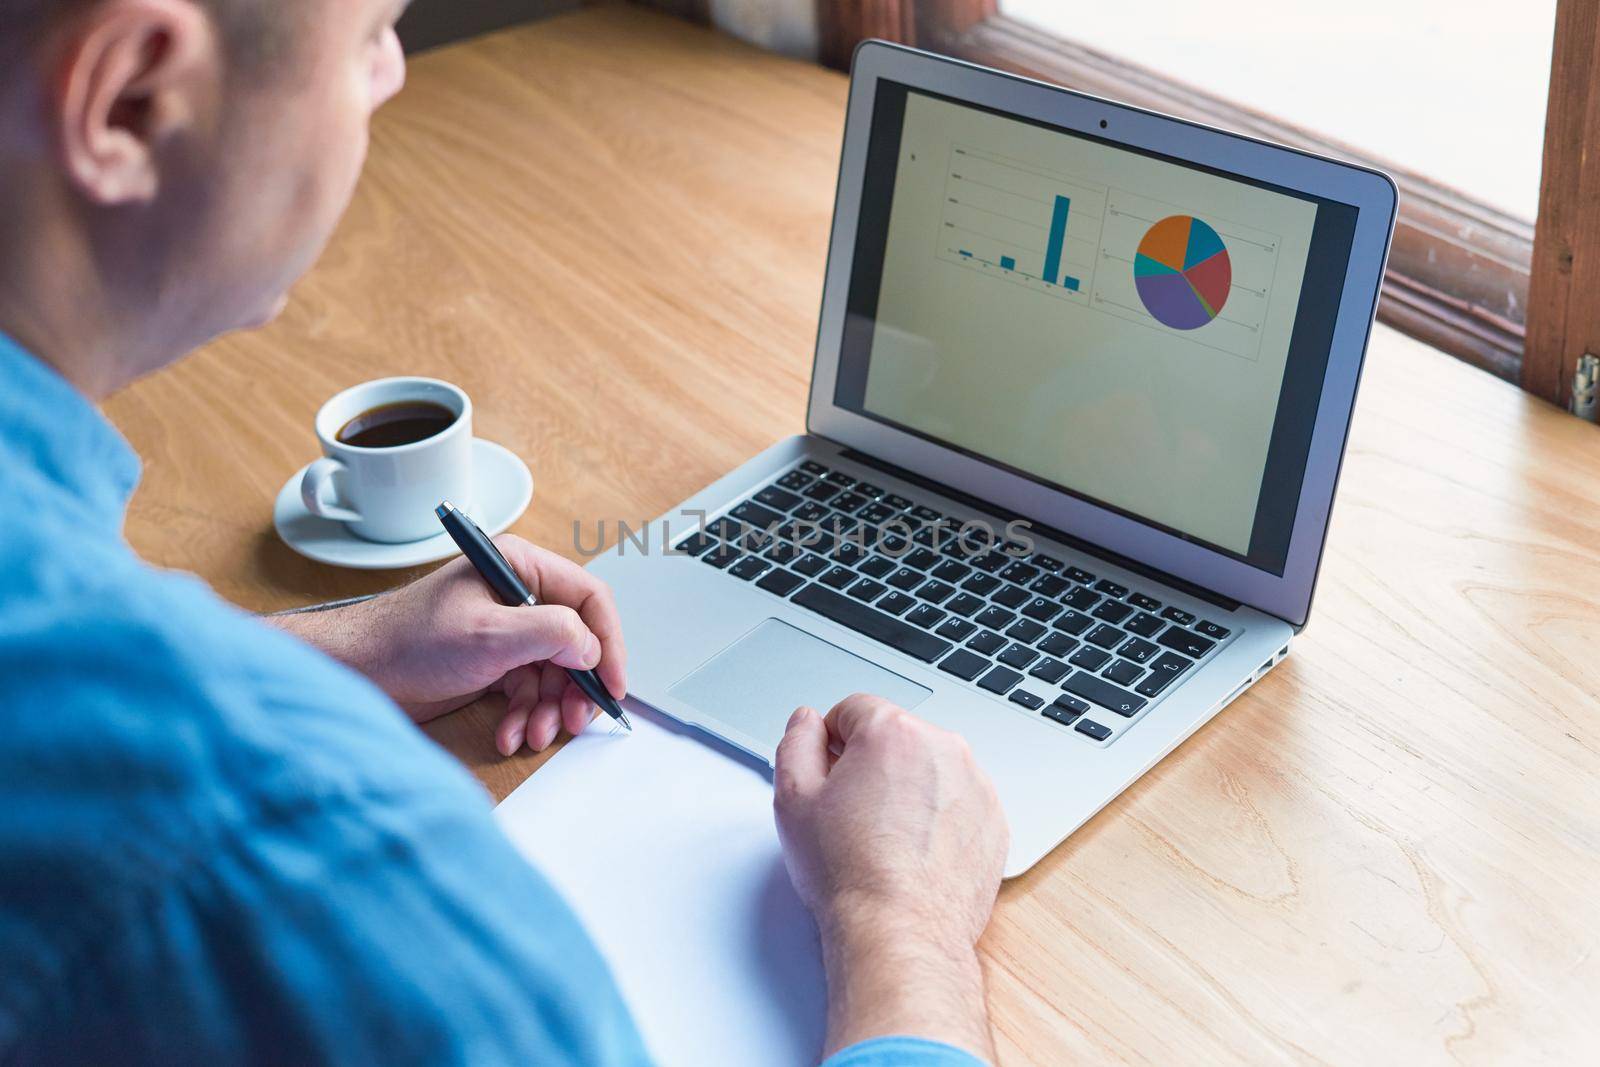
point(445, 640)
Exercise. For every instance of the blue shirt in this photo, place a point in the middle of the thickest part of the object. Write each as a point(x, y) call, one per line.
point(217, 844)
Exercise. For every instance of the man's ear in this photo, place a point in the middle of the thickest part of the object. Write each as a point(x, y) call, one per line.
point(128, 76)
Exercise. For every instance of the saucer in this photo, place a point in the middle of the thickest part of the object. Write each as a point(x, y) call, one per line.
point(502, 488)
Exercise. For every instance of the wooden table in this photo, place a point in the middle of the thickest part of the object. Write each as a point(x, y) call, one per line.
point(1387, 852)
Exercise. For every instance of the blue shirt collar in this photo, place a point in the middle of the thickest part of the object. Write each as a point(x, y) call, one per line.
point(52, 429)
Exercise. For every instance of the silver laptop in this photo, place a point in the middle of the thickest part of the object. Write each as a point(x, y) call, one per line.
point(1082, 385)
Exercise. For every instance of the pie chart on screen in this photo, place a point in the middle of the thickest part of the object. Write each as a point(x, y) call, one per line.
point(1182, 272)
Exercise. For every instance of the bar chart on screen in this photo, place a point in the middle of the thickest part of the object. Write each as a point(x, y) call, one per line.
point(1024, 223)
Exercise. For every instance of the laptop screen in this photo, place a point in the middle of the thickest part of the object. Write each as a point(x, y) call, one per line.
point(1144, 333)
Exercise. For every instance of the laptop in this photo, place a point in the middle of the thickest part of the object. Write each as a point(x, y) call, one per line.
point(1082, 384)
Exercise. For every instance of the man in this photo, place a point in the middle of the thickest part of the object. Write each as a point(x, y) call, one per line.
point(218, 843)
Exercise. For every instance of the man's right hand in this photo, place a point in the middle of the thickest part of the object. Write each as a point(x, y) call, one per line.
point(895, 840)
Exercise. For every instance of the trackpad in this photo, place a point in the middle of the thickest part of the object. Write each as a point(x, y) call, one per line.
point(755, 684)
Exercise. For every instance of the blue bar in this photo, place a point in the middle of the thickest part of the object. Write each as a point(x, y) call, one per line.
point(964, 252)
point(1007, 263)
point(1058, 237)
point(1069, 282)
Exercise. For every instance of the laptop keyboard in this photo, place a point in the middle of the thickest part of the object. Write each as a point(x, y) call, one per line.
point(1057, 640)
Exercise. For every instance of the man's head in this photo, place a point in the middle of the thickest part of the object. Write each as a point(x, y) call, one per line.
point(169, 168)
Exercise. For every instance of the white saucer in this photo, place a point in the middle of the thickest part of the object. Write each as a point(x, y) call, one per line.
point(502, 488)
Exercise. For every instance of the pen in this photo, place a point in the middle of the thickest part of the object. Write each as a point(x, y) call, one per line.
point(503, 579)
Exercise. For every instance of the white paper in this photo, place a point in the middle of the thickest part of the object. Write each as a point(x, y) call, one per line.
point(663, 843)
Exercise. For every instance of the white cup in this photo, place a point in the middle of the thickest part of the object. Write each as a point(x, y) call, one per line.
point(388, 494)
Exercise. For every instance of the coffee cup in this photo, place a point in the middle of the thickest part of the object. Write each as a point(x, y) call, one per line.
point(392, 449)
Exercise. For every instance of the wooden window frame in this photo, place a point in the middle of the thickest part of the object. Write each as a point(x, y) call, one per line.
point(1519, 300)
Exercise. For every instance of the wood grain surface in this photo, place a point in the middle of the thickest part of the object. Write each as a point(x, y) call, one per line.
point(610, 229)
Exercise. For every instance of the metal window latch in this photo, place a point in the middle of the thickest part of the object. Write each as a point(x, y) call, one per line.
point(1586, 387)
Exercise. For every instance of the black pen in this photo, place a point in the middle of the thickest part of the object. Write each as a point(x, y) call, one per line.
point(503, 579)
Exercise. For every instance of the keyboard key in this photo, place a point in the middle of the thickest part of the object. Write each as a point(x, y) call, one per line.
point(750, 567)
point(896, 501)
point(955, 629)
point(1104, 636)
point(1110, 588)
point(1058, 645)
point(1104, 693)
point(981, 584)
point(695, 544)
point(1144, 624)
point(876, 513)
point(754, 514)
point(1211, 629)
point(874, 624)
point(1163, 672)
point(1090, 658)
point(990, 562)
point(838, 577)
point(935, 591)
point(999, 680)
point(925, 615)
point(774, 497)
point(1112, 611)
point(896, 603)
point(1138, 650)
point(810, 513)
point(840, 478)
point(951, 571)
point(964, 665)
point(795, 480)
point(1081, 598)
point(921, 559)
point(1027, 700)
point(1047, 563)
point(867, 590)
point(1017, 656)
point(1051, 585)
point(1123, 672)
point(1177, 615)
point(923, 513)
point(726, 528)
point(1020, 573)
point(868, 490)
point(1026, 630)
point(1049, 671)
point(848, 553)
point(784, 552)
point(1192, 645)
point(1093, 729)
point(995, 618)
point(988, 642)
point(1079, 575)
point(849, 502)
point(1041, 609)
point(781, 582)
point(876, 566)
point(1068, 702)
point(811, 466)
point(721, 556)
point(821, 491)
point(1144, 603)
point(810, 565)
point(906, 578)
point(1064, 716)
point(1012, 596)
point(1073, 623)
point(964, 605)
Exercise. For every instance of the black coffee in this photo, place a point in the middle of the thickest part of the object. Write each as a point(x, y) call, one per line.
point(404, 422)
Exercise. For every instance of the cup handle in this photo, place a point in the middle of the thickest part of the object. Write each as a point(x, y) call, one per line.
point(317, 478)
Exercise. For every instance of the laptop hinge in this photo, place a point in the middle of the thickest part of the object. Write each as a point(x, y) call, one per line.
point(1078, 543)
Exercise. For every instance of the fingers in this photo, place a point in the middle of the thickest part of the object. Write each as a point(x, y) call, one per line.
point(522, 692)
point(545, 722)
point(576, 711)
point(557, 580)
point(802, 760)
point(550, 632)
point(857, 713)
